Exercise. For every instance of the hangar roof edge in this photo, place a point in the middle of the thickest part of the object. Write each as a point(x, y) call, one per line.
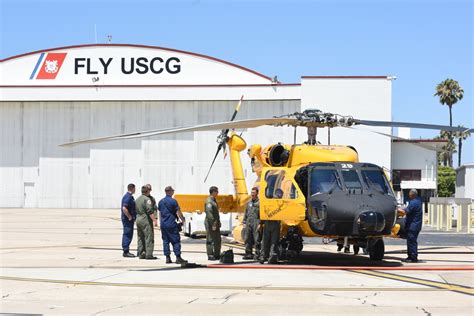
point(345, 77)
point(139, 46)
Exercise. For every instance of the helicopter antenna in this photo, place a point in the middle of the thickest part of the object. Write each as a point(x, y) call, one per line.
point(329, 136)
point(312, 132)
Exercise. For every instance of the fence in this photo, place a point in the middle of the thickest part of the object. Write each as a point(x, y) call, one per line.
point(448, 213)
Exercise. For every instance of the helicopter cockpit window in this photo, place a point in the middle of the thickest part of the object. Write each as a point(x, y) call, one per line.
point(351, 179)
point(374, 179)
point(324, 181)
point(279, 185)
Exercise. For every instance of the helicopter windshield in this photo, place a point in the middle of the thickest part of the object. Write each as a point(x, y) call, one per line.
point(351, 179)
point(324, 181)
point(374, 179)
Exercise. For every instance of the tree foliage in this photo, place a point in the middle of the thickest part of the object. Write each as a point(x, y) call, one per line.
point(449, 92)
point(446, 181)
point(445, 156)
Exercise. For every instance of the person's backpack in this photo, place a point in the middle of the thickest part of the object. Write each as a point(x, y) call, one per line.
point(227, 256)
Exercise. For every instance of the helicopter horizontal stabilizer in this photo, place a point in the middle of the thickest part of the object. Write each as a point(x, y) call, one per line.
point(195, 202)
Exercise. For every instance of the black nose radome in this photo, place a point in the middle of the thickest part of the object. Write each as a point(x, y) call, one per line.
point(371, 222)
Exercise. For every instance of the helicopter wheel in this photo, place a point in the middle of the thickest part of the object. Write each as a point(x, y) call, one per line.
point(377, 250)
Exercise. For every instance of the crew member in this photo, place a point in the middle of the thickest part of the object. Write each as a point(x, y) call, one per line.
point(169, 214)
point(414, 220)
point(145, 222)
point(213, 225)
point(129, 214)
point(271, 236)
point(251, 224)
point(153, 201)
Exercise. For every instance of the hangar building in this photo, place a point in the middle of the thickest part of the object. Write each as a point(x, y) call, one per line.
point(59, 95)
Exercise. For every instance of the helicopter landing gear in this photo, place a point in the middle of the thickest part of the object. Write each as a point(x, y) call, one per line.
point(376, 249)
point(291, 245)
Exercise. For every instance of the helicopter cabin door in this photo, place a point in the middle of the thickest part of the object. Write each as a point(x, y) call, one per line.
point(280, 197)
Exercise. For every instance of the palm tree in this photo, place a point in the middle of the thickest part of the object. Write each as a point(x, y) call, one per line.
point(449, 92)
point(446, 154)
point(461, 136)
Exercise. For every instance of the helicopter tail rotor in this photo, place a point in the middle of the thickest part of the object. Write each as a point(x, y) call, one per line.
point(222, 139)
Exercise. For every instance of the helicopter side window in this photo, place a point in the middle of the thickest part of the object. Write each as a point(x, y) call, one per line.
point(279, 185)
point(351, 179)
point(374, 179)
point(324, 181)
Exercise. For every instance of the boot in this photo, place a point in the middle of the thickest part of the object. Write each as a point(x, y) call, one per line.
point(168, 259)
point(211, 258)
point(127, 254)
point(248, 256)
point(180, 260)
point(151, 258)
point(272, 260)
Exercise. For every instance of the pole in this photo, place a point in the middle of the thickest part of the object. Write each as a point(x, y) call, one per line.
point(329, 136)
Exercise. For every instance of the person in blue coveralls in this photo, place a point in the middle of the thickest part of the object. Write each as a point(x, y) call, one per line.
point(169, 215)
point(413, 224)
point(129, 214)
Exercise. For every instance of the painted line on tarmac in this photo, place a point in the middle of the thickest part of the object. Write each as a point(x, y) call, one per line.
point(227, 287)
point(433, 284)
point(234, 246)
point(350, 268)
point(54, 246)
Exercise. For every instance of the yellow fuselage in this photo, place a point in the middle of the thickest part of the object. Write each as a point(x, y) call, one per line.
point(290, 207)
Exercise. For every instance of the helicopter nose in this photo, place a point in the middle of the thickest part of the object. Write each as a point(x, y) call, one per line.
point(371, 222)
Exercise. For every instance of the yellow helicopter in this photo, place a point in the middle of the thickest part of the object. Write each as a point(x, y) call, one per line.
point(314, 190)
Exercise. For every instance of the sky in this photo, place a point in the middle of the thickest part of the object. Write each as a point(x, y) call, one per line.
point(420, 42)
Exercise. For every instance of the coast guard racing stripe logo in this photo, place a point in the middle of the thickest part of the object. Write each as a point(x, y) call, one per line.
point(48, 66)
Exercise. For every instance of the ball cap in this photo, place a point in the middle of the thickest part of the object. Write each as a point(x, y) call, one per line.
point(169, 188)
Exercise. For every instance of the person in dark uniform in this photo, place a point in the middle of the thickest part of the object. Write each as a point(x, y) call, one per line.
point(169, 214)
point(413, 224)
point(128, 215)
point(213, 225)
point(251, 224)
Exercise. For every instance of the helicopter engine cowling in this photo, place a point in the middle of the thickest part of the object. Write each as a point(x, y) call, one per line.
point(278, 155)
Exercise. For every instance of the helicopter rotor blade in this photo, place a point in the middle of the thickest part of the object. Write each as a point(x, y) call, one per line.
point(411, 141)
point(213, 160)
point(412, 125)
point(250, 123)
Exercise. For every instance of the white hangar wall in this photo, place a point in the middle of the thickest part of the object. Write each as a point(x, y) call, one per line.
point(38, 112)
point(95, 175)
point(364, 97)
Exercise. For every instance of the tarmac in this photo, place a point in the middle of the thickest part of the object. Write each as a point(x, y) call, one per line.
point(69, 261)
